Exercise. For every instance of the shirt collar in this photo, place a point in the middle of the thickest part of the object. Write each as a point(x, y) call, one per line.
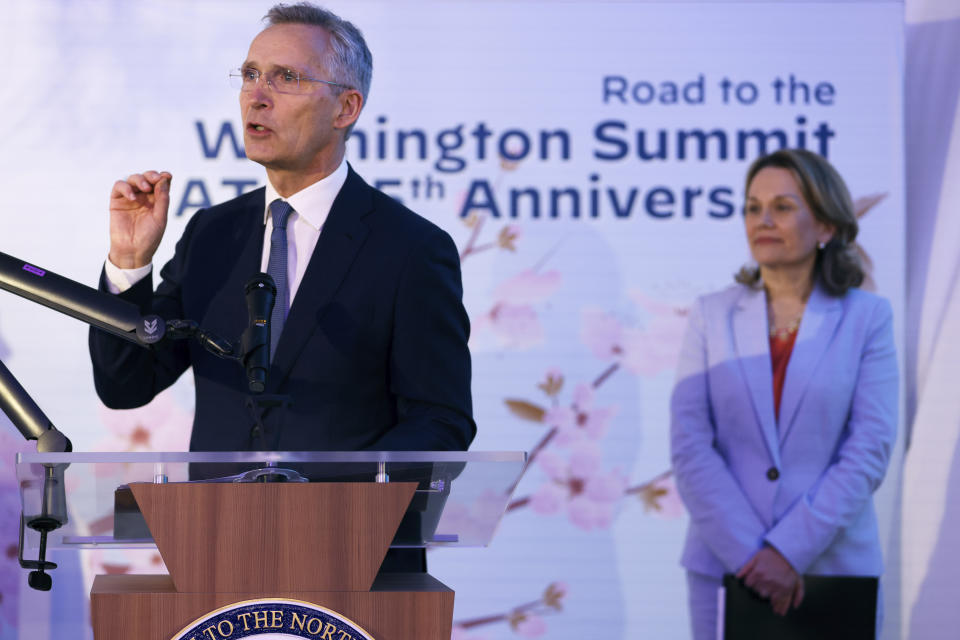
point(312, 203)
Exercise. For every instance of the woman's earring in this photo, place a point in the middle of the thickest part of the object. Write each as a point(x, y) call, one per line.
point(822, 246)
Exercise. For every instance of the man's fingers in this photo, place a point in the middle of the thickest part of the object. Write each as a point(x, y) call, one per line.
point(163, 193)
point(139, 182)
point(747, 568)
point(122, 189)
point(146, 181)
point(153, 177)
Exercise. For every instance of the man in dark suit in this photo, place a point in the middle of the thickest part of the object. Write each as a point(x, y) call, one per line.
point(373, 348)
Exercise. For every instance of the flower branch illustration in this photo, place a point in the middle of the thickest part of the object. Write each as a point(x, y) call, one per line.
point(526, 620)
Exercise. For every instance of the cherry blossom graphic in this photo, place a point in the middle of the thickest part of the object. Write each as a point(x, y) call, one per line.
point(459, 633)
point(527, 620)
point(646, 349)
point(475, 519)
point(583, 419)
point(161, 425)
point(513, 319)
point(529, 625)
point(506, 237)
point(567, 424)
point(578, 485)
point(653, 348)
point(566, 477)
point(602, 333)
point(660, 497)
point(11, 575)
point(861, 207)
point(591, 496)
point(123, 561)
point(576, 482)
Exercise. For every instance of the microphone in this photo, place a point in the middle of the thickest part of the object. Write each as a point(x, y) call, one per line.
point(261, 294)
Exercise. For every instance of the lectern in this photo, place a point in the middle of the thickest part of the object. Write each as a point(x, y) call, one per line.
point(278, 544)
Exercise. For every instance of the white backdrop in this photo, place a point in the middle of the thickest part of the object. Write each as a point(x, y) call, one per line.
point(930, 557)
point(577, 302)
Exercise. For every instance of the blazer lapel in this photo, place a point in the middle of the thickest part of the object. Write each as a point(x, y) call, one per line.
point(227, 311)
point(343, 233)
point(751, 333)
point(820, 320)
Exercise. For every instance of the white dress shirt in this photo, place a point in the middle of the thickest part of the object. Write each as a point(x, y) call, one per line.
point(311, 206)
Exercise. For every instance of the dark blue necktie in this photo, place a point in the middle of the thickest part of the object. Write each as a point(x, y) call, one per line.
point(277, 268)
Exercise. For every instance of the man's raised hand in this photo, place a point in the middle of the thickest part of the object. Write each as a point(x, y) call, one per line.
point(138, 217)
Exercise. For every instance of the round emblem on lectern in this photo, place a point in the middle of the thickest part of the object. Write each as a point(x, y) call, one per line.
point(272, 619)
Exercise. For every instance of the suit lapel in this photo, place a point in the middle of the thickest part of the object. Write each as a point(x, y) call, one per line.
point(820, 319)
point(343, 233)
point(753, 350)
point(227, 311)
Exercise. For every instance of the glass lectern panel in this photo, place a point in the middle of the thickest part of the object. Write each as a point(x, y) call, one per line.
point(459, 500)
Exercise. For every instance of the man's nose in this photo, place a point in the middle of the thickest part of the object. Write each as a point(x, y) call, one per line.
point(259, 95)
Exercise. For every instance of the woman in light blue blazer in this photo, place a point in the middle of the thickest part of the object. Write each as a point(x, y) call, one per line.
point(785, 408)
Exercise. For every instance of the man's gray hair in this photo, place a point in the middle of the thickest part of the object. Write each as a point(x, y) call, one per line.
point(350, 61)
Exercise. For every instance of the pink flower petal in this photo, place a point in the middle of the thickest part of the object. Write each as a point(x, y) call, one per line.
point(583, 397)
point(548, 499)
point(588, 515)
point(659, 307)
point(584, 513)
point(555, 373)
point(517, 326)
point(459, 633)
point(602, 333)
point(162, 425)
point(597, 421)
point(605, 487)
point(585, 460)
point(528, 287)
point(560, 417)
point(569, 436)
point(654, 349)
point(532, 626)
point(553, 465)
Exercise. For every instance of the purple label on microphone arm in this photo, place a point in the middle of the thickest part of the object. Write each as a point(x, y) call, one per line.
point(34, 270)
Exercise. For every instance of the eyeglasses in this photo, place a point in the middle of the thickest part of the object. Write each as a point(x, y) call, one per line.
point(280, 80)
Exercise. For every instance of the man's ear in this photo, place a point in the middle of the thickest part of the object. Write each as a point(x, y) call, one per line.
point(351, 102)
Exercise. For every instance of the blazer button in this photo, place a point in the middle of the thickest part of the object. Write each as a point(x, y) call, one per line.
point(773, 474)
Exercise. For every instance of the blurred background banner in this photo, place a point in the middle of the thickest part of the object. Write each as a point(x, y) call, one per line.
point(587, 158)
point(931, 482)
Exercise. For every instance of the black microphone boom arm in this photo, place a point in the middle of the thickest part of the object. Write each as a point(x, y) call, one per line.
point(27, 417)
point(96, 308)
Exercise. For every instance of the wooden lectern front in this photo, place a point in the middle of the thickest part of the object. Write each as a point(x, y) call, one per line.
point(289, 559)
point(242, 543)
